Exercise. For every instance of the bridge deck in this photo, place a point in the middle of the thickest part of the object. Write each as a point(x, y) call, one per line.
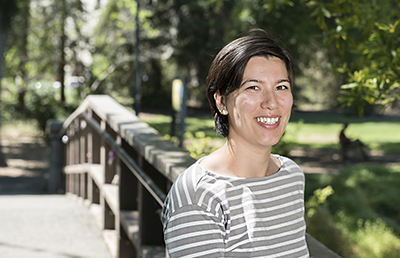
point(53, 226)
point(33, 223)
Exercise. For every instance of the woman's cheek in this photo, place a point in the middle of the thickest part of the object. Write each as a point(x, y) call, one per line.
point(248, 103)
point(287, 102)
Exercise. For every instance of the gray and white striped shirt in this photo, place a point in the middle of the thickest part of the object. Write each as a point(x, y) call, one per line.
point(208, 215)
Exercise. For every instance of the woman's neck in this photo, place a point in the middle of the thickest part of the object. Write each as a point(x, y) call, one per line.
point(236, 160)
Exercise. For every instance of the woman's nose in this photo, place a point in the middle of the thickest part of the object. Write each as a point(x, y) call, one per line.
point(269, 101)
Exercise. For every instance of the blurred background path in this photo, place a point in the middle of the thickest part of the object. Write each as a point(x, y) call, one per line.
point(35, 224)
point(27, 160)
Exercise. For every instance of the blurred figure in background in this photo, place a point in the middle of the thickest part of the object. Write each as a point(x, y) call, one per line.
point(346, 144)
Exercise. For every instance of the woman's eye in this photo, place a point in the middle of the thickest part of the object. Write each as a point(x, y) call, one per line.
point(253, 88)
point(282, 87)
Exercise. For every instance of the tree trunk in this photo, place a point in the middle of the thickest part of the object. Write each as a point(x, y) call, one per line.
point(3, 43)
point(25, 15)
point(61, 72)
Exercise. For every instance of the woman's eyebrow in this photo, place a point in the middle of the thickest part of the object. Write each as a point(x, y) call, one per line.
point(259, 81)
point(249, 80)
point(283, 80)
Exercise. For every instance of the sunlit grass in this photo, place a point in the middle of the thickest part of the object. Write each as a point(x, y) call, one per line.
point(309, 130)
point(377, 135)
point(21, 127)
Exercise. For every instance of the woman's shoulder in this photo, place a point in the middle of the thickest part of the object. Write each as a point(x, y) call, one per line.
point(187, 181)
point(194, 191)
point(288, 165)
point(194, 186)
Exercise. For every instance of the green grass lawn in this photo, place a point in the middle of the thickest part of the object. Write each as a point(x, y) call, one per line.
point(27, 127)
point(321, 130)
point(310, 130)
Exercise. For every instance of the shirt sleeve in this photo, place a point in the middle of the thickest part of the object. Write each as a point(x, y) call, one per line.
point(191, 231)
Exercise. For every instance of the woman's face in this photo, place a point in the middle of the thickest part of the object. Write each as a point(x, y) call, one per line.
point(259, 110)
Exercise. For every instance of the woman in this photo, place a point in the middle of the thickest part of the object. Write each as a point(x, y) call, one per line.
point(241, 200)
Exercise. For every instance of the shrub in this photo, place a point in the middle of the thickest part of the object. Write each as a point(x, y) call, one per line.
point(200, 145)
point(9, 103)
point(357, 214)
point(376, 240)
point(321, 224)
point(367, 192)
point(41, 103)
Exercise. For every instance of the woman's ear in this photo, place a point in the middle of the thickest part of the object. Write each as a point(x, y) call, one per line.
point(219, 101)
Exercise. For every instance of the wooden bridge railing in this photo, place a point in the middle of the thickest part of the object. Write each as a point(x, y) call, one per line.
point(123, 169)
point(124, 166)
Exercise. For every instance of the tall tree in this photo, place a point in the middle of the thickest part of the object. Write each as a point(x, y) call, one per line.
point(61, 66)
point(7, 9)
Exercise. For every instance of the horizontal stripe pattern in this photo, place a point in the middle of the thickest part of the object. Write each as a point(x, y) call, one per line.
point(208, 215)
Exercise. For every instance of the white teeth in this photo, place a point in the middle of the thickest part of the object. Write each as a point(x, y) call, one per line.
point(268, 120)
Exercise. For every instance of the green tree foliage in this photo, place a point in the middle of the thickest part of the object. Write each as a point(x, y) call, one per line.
point(114, 54)
point(46, 42)
point(195, 32)
point(7, 10)
point(18, 51)
point(367, 38)
point(177, 39)
point(180, 38)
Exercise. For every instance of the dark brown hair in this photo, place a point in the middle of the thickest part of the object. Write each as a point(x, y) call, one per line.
point(227, 69)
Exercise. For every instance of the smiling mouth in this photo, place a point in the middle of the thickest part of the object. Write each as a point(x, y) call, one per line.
point(268, 120)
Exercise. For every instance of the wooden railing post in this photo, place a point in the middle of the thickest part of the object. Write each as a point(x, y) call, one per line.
point(151, 233)
point(76, 142)
point(103, 152)
point(125, 248)
point(93, 191)
point(56, 184)
point(108, 215)
point(83, 132)
point(93, 157)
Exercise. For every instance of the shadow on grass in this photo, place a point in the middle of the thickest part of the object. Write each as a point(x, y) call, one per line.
point(388, 147)
point(318, 146)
